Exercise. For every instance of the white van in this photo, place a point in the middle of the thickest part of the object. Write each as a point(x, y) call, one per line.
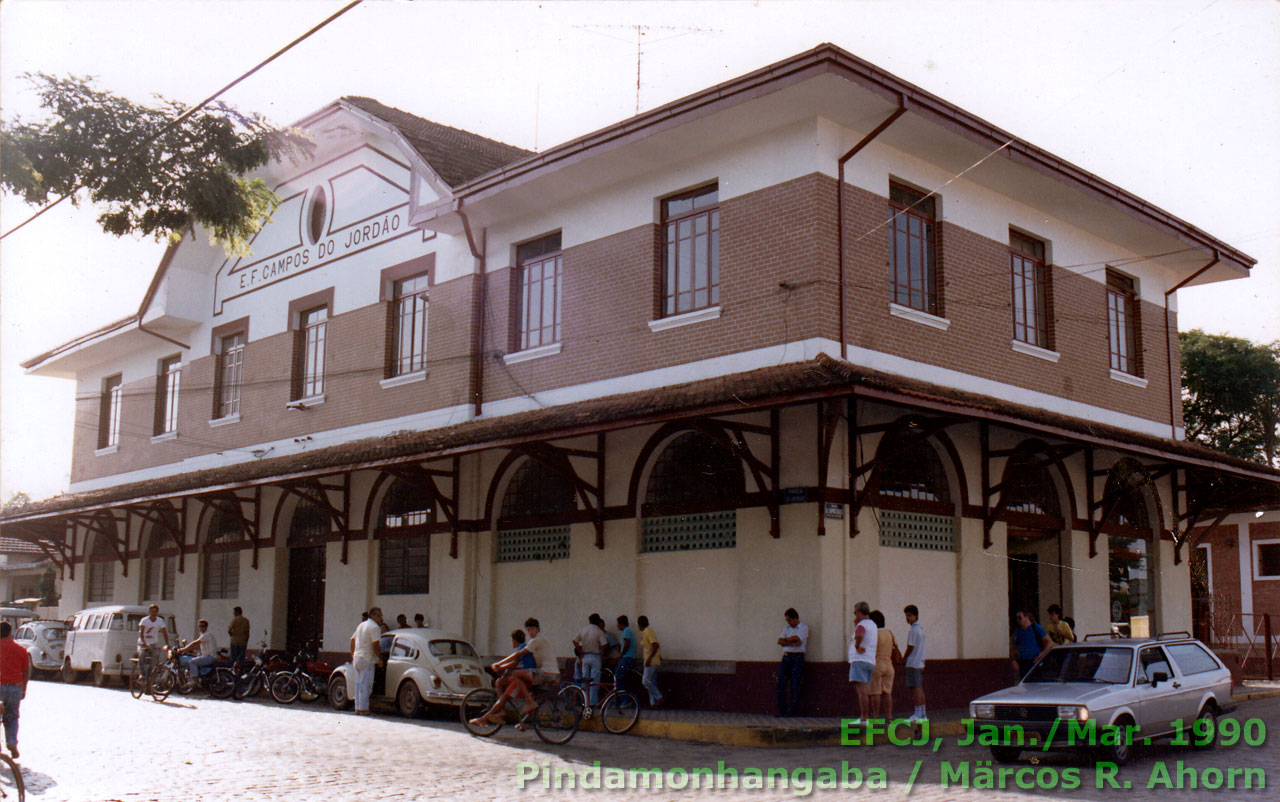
point(16, 616)
point(104, 641)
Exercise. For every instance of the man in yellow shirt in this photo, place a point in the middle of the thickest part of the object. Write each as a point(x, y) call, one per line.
point(652, 651)
point(1059, 630)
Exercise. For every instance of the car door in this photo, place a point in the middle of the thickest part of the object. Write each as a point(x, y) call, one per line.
point(399, 660)
point(1158, 705)
point(1199, 673)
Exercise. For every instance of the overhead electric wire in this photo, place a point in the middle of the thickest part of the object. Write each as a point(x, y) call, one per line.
point(192, 110)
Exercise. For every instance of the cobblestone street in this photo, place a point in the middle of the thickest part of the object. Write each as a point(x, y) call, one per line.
point(86, 744)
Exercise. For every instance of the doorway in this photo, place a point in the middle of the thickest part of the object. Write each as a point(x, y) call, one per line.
point(1035, 571)
point(305, 617)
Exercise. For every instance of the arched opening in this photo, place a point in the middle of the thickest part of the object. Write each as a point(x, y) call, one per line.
point(404, 540)
point(913, 494)
point(220, 577)
point(1036, 520)
point(304, 615)
point(1131, 557)
point(100, 569)
point(160, 557)
point(692, 496)
point(532, 523)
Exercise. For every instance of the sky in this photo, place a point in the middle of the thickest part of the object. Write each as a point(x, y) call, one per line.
point(1174, 100)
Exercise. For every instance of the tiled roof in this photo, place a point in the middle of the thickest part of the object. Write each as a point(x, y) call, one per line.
point(739, 392)
point(12, 545)
point(457, 156)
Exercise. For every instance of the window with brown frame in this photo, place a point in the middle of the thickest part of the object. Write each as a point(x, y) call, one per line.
point(109, 411)
point(168, 377)
point(409, 301)
point(912, 252)
point(404, 556)
point(1030, 278)
point(308, 373)
point(1122, 323)
point(221, 563)
point(160, 572)
point(229, 375)
point(691, 256)
point(539, 266)
point(101, 570)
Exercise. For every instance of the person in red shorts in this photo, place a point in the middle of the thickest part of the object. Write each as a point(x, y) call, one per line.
point(15, 672)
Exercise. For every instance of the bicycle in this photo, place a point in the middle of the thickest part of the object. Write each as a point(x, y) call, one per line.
point(619, 710)
point(11, 775)
point(158, 681)
point(552, 717)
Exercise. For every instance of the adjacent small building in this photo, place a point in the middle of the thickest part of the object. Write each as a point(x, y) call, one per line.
point(808, 337)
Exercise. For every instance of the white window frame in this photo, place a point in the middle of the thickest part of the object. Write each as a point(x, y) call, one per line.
point(1258, 576)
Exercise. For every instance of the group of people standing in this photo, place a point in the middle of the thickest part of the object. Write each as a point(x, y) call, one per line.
point(873, 651)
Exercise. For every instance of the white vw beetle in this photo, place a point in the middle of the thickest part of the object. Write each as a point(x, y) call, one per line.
point(421, 666)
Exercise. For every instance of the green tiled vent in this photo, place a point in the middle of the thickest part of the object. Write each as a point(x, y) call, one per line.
point(523, 545)
point(916, 530)
point(704, 530)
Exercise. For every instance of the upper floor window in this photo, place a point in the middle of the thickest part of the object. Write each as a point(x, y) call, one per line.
point(912, 254)
point(1122, 322)
point(691, 260)
point(1030, 280)
point(109, 411)
point(229, 375)
point(538, 268)
point(409, 325)
point(167, 379)
point(309, 367)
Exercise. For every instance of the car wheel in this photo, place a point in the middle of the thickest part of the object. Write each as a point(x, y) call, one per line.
point(338, 698)
point(99, 678)
point(409, 699)
point(1120, 751)
point(1005, 754)
point(1210, 715)
point(69, 674)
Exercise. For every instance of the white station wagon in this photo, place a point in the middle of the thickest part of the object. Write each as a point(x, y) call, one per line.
point(1143, 688)
point(423, 666)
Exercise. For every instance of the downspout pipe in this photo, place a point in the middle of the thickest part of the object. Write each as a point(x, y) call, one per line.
point(1168, 339)
point(866, 140)
point(477, 315)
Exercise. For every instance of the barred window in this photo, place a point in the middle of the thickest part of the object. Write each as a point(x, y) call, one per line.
point(531, 521)
point(912, 469)
point(404, 550)
point(409, 325)
point(222, 566)
point(539, 265)
point(694, 490)
point(1029, 486)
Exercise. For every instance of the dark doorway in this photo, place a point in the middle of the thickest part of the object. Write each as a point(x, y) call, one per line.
point(1200, 605)
point(306, 597)
point(1024, 585)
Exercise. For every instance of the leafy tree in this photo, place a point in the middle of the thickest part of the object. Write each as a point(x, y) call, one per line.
point(1231, 394)
point(16, 502)
point(148, 179)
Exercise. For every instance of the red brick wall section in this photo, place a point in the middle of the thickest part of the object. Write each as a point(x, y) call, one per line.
point(976, 293)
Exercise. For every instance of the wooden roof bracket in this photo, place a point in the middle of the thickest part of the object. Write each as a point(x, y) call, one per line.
point(151, 514)
point(731, 434)
point(423, 477)
point(557, 459)
point(828, 421)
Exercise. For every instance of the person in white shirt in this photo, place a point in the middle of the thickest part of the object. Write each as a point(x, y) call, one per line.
point(208, 646)
point(366, 655)
point(150, 632)
point(862, 656)
point(793, 640)
point(914, 658)
point(516, 683)
point(589, 646)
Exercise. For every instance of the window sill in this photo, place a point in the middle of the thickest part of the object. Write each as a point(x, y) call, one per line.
point(160, 438)
point(1036, 351)
point(907, 313)
point(676, 321)
point(224, 420)
point(305, 403)
point(1128, 378)
point(403, 378)
point(102, 452)
point(531, 353)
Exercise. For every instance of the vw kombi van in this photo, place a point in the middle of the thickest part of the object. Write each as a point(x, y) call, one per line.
point(104, 640)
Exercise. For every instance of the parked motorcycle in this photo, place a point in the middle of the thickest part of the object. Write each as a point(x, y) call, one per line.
point(307, 678)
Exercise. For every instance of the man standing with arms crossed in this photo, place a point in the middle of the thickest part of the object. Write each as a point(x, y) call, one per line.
point(366, 655)
point(15, 673)
point(794, 637)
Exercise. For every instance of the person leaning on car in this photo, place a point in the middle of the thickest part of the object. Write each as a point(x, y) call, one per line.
point(366, 655)
point(1029, 642)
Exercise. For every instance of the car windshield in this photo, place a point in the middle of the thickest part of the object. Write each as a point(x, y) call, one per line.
point(452, 648)
point(54, 634)
point(1098, 664)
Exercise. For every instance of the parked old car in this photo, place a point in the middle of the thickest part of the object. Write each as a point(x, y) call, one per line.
point(104, 640)
point(1151, 687)
point(44, 640)
point(422, 666)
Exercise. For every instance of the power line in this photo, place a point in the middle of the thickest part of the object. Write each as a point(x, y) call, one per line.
point(184, 115)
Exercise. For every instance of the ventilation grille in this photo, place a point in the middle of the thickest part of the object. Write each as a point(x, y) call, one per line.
point(523, 545)
point(917, 530)
point(706, 530)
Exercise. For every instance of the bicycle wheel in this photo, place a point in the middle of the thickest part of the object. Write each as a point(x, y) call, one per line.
point(11, 782)
point(137, 682)
point(556, 720)
point(476, 704)
point(620, 712)
point(162, 682)
point(575, 696)
point(285, 688)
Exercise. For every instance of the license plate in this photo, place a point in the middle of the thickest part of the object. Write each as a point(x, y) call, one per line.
point(470, 681)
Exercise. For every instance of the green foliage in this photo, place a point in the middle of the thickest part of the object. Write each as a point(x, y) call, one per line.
point(146, 182)
point(16, 502)
point(1231, 394)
